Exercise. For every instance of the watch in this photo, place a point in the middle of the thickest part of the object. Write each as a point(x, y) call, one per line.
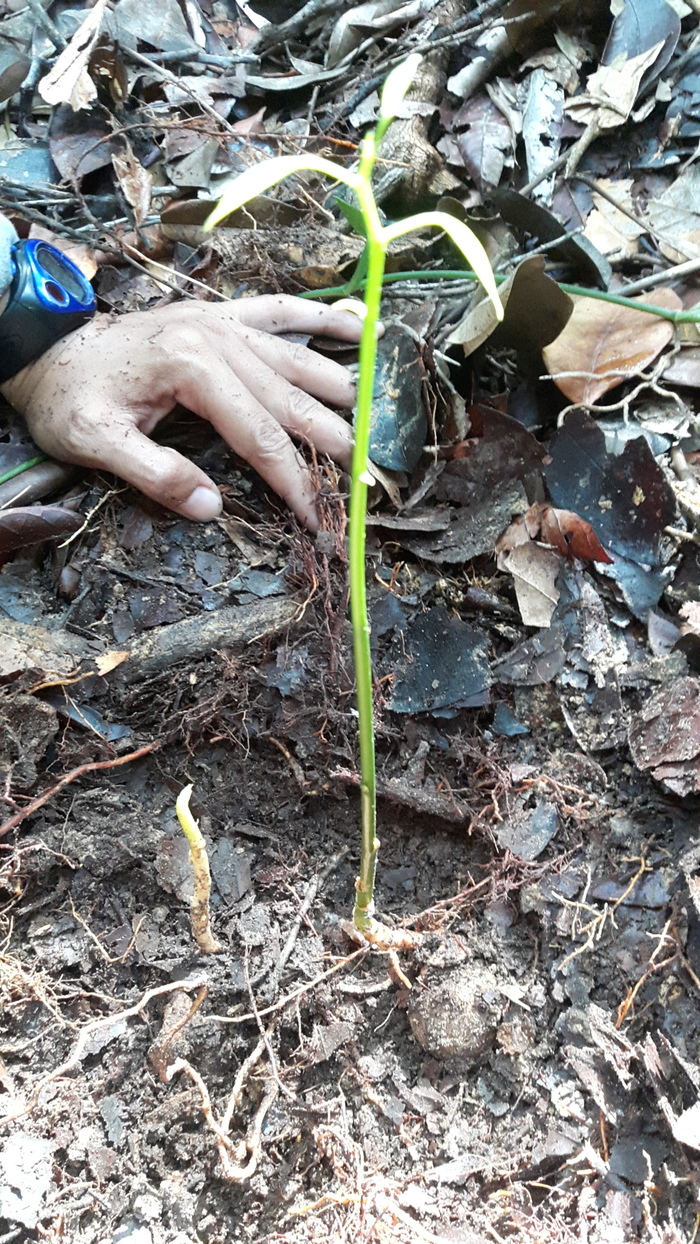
point(49, 297)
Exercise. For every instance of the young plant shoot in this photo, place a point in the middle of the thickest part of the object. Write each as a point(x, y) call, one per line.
point(201, 923)
point(256, 181)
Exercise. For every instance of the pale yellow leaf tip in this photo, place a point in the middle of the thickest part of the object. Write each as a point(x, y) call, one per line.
point(397, 84)
point(353, 305)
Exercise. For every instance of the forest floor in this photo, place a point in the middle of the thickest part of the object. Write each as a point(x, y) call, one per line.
point(529, 1069)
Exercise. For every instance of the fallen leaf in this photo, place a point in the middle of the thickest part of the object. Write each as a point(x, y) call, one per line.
point(534, 570)
point(542, 123)
point(136, 182)
point(109, 661)
point(533, 222)
point(536, 311)
point(348, 32)
point(626, 498)
point(80, 142)
point(675, 216)
point(440, 665)
point(639, 25)
point(609, 229)
point(561, 529)
point(158, 22)
point(665, 736)
point(611, 91)
point(69, 82)
point(32, 524)
point(571, 535)
point(486, 143)
point(603, 344)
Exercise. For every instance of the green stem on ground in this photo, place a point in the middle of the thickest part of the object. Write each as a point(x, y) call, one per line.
point(23, 466)
point(690, 316)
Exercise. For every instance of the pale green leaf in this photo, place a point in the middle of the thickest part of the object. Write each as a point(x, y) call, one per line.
point(462, 237)
point(261, 177)
point(397, 84)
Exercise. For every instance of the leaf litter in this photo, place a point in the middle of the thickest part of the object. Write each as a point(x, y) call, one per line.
point(535, 583)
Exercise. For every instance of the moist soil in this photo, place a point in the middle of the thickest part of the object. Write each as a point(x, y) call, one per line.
point(524, 1071)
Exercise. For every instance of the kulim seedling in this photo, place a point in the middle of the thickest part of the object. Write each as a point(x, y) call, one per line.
point(256, 181)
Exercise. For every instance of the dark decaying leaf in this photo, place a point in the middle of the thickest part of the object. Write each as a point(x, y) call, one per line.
point(13, 69)
point(527, 831)
point(473, 529)
point(80, 142)
point(486, 142)
point(533, 220)
point(399, 421)
point(442, 666)
point(665, 736)
point(88, 717)
point(626, 499)
point(537, 310)
point(499, 448)
point(639, 25)
point(158, 22)
point(32, 524)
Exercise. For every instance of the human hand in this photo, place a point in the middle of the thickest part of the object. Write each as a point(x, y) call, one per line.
point(94, 398)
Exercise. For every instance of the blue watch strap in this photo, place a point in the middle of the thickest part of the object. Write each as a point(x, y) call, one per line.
point(49, 297)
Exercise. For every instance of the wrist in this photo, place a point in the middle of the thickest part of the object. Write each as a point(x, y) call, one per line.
point(48, 298)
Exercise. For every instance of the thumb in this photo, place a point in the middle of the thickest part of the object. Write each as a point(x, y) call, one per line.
point(160, 473)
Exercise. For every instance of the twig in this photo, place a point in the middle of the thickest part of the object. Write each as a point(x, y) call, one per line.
point(653, 965)
point(93, 767)
point(265, 1034)
point(161, 72)
point(660, 278)
point(271, 37)
point(47, 25)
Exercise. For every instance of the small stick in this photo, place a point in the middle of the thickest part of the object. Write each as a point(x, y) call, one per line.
point(70, 777)
point(201, 922)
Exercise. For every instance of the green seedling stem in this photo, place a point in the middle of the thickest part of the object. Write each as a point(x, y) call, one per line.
point(23, 466)
point(358, 281)
point(378, 237)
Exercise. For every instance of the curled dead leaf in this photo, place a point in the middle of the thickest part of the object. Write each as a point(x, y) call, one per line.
point(560, 529)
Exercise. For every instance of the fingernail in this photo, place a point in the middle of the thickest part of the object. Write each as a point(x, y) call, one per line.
point(203, 503)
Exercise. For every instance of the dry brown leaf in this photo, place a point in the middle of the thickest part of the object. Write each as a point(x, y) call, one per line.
point(611, 91)
point(603, 344)
point(69, 81)
point(560, 529)
point(609, 229)
point(109, 661)
point(675, 215)
point(534, 570)
point(136, 182)
point(568, 533)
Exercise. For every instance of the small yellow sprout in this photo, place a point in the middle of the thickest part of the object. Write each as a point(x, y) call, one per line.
point(201, 922)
